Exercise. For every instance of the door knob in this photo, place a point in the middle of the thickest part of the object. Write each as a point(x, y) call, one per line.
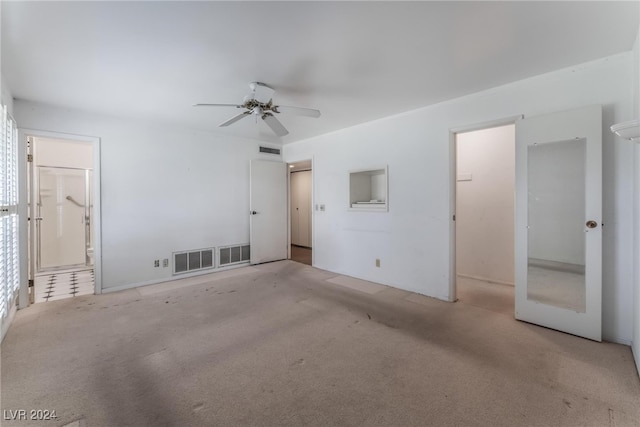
point(592, 224)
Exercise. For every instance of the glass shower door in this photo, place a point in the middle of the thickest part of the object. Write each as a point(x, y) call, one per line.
point(62, 218)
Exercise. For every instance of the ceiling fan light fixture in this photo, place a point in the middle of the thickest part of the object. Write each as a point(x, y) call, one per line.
point(260, 104)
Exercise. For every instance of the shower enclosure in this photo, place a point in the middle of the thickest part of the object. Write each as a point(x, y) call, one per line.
point(63, 216)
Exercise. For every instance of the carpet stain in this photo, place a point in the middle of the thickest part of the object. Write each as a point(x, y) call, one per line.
point(566, 402)
point(612, 420)
point(298, 362)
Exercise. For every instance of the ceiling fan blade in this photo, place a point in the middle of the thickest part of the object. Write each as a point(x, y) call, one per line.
point(235, 118)
point(217, 105)
point(275, 125)
point(308, 112)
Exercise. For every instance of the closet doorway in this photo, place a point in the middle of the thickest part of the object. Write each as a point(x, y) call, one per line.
point(484, 217)
point(300, 189)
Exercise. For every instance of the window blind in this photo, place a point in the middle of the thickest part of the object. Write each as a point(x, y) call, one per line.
point(9, 258)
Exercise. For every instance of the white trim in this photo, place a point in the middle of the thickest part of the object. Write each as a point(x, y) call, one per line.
point(453, 163)
point(97, 210)
point(23, 223)
point(487, 125)
point(384, 207)
point(616, 340)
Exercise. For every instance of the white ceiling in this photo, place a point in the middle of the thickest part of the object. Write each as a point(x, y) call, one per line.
point(355, 61)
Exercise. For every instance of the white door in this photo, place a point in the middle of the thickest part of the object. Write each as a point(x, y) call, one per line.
point(559, 221)
point(268, 211)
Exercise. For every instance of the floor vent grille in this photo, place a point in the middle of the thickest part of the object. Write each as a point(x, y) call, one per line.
point(194, 260)
point(236, 254)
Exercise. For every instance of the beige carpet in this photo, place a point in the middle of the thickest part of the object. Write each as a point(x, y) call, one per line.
point(282, 346)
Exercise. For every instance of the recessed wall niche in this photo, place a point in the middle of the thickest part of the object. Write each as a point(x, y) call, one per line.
point(369, 189)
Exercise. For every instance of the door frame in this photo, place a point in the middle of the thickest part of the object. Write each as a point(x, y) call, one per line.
point(27, 228)
point(313, 226)
point(453, 175)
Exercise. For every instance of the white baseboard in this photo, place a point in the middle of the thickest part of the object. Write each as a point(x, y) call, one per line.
point(616, 340)
point(485, 279)
point(170, 279)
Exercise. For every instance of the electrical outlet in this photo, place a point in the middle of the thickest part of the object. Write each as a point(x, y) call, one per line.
point(165, 262)
point(156, 263)
point(377, 262)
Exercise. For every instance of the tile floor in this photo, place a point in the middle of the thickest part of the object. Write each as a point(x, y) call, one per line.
point(63, 284)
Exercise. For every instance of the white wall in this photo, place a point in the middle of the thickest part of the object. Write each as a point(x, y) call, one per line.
point(61, 153)
point(485, 204)
point(636, 214)
point(6, 97)
point(412, 239)
point(164, 189)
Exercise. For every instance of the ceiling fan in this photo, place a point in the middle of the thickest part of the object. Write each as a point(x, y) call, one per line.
point(259, 104)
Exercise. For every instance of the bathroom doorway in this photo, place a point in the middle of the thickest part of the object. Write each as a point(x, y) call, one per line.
point(62, 213)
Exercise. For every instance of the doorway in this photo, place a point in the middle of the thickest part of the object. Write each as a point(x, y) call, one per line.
point(484, 217)
point(300, 232)
point(62, 209)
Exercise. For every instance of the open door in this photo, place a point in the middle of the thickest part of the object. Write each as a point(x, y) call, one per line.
point(558, 250)
point(268, 210)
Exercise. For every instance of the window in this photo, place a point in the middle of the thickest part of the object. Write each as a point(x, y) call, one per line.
point(9, 258)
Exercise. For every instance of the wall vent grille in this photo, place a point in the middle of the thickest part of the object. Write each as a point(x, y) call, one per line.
point(193, 260)
point(236, 254)
point(269, 150)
